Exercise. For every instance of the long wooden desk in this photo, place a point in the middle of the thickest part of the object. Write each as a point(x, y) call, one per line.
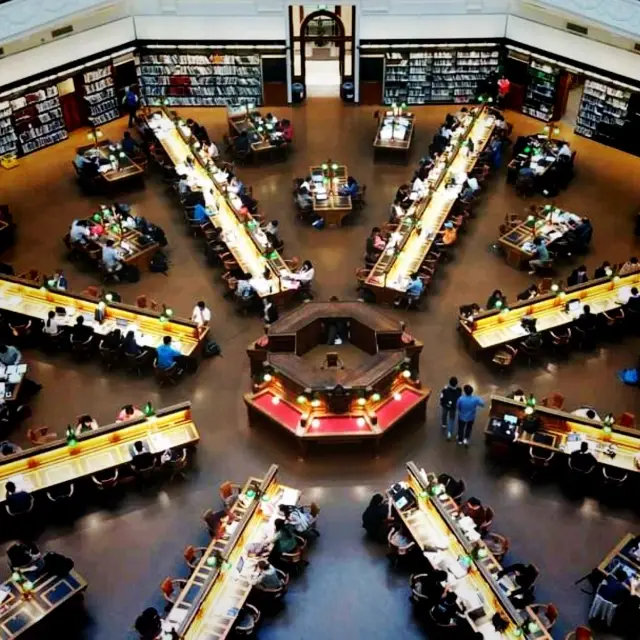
point(563, 432)
point(260, 132)
point(45, 466)
point(434, 523)
point(241, 233)
point(210, 602)
point(626, 556)
point(388, 138)
point(126, 168)
point(492, 329)
point(408, 246)
point(551, 224)
point(540, 153)
point(19, 615)
point(332, 207)
point(26, 298)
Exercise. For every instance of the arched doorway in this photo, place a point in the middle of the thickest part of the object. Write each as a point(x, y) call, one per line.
point(322, 48)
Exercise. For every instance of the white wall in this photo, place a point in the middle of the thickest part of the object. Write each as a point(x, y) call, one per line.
point(61, 52)
point(385, 27)
point(580, 50)
point(205, 28)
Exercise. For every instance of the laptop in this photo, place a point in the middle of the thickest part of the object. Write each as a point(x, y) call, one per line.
point(544, 438)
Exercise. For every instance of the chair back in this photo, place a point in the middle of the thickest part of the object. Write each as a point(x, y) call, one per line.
point(488, 519)
point(226, 489)
point(190, 554)
point(627, 420)
point(166, 586)
point(583, 633)
point(552, 613)
point(553, 401)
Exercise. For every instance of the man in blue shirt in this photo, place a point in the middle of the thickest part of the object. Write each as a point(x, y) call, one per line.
point(542, 255)
point(111, 257)
point(467, 406)
point(413, 292)
point(167, 355)
point(9, 355)
point(200, 214)
point(351, 188)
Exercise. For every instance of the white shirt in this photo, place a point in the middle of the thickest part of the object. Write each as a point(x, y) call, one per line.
point(52, 328)
point(270, 228)
point(304, 276)
point(201, 316)
point(212, 151)
point(582, 413)
point(110, 257)
point(306, 185)
point(564, 150)
point(473, 183)
point(418, 186)
point(78, 233)
point(446, 133)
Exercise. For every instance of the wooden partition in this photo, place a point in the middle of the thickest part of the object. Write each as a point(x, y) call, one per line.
point(45, 466)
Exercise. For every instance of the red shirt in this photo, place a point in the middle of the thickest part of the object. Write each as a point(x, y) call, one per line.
point(503, 86)
point(287, 132)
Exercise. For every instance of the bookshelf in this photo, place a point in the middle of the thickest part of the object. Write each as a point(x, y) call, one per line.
point(200, 80)
point(602, 104)
point(540, 97)
point(100, 95)
point(38, 120)
point(437, 74)
point(8, 138)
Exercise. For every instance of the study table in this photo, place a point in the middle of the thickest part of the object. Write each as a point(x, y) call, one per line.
point(537, 152)
point(625, 556)
point(135, 248)
point(394, 133)
point(562, 432)
point(472, 569)
point(263, 135)
point(409, 244)
point(327, 180)
point(42, 467)
point(11, 378)
point(495, 328)
point(20, 614)
point(549, 223)
point(240, 232)
point(27, 299)
point(209, 604)
point(116, 167)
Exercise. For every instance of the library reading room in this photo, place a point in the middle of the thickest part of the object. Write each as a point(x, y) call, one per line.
point(296, 299)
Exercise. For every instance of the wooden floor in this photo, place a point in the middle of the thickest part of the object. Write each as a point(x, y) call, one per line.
point(125, 550)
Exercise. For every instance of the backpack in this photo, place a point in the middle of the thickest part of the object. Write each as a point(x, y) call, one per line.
point(211, 349)
point(159, 263)
point(449, 397)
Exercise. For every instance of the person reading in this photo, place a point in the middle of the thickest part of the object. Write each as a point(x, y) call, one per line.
point(141, 460)
point(582, 459)
point(167, 356)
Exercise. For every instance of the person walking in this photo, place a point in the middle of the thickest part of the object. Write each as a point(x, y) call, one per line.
point(131, 103)
point(448, 401)
point(467, 407)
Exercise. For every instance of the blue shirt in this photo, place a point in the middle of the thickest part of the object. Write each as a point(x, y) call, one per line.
point(166, 355)
point(416, 287)
point(200, 213)
point(10, 356)
point(543, 252)
point(467, 407)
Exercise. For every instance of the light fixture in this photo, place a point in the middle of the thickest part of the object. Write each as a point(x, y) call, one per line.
point(498, 304)
point(376, 397)
point(301, 399)
point(397, 396)
point(360, 422)
point(406, 373)
point(275, 400)
point(555, 288)
point(315, 403)
point(211, 561)
point(267, 377)
point(148, 409)
point(315, 423)
point(109, 297)
point(528, 410)
point(168, 311)
point(361, 402)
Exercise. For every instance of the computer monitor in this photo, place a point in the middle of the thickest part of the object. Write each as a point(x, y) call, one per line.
point(573, 306)
point(510, 419)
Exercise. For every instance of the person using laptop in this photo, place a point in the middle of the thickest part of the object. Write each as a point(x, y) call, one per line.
point(587, 321)
point(542, 255)
point(111, 257)
point(633, 303)
point(80, 332)
point(583, 459)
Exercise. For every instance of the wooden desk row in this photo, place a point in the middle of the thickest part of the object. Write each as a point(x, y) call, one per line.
point(20, 613)
point(417, 231)
point(240, 231)
point(562, 432)
point(210, 602)
point(28, 299)
point(625, 556)
point(433, 523)
point(45, 466)
point(492, 329)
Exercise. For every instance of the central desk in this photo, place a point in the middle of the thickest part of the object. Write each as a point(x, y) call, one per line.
point(261, 133)
point(394, 134)
point(240, 232)
point(563, 432)
point(210, 602)
point(126, 169)
point(495, 328)
point(48, 465)
point(434, 518)
point(27, 299)
point(410, 243)
point(333, 207)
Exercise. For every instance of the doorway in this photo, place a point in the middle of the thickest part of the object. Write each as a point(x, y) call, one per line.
point(322, 49)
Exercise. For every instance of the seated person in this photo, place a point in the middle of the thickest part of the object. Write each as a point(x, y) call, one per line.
point(564, 150)
point(414, 289)
point(304, 199)
point(130, 346)
point(183, 185)
point(194, 197)
point(496, 300)
point(447, 236)
point(350, 188)
point(375, 242)
point(80, 332)
point(432, 586)
point(300, 518)
point(9, 448)
point(200, 214)
point(448, 609)
point(529, 293)
point(287, 130)
point(141, 459)
point(583, 459)
point(542, 255)
point(111, 257)
point(474, 509)
point(250, 203)
point(58, 280)
point(517, 395)
point(244, 289)
point(267, 577)
point(85, 424)
point(51, 326)
point(587, 321)
point(523, 575)
point(166, 355)
point(88, 166)
point(9, 355)
point(633, 303)
point(603, 271)
point(149, 624)
point(23, 556)
point(304, 275)
point(129, 412)
point(17, 501)
point(578, 276)
point(403, 195)
point(272, 231)
point(630, 266)
point(129, 145)
point(375, 519)
point(613, 589)
point(284, 540)
point(583, 233)
point(80, 232)
point(235, 185)
point(112, 341)
point(242, 144)
point(533, 342)
point(418, 187)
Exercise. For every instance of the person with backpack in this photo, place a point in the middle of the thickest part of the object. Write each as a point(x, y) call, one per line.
point(448, 401)
point(131, 103)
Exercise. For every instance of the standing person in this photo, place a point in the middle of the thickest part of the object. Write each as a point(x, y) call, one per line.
point(201, 315)
point(448, 401)
point(467, 407)
point(131, 103)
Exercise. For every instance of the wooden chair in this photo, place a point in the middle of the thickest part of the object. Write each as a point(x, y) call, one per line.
point(540, 458)
point(579, 633)
point(454, 488)
point(193, 555)
point(497, 544)
point(106, 479)
point(229, 492)
point(170, 587)
point(561, 340)
point(24, 512)
point(249, 621)
point(485, 525)
point(108, 357)
point(177, 463)
point(169, 375)
point(627, 420)
point(212, 519)
point(553, 401)
point(41, 435)
point(361, 276)
point(134, 363)
point(546, 613)
point(505, 356)
point(545, 285)
point(613, 476)
point(82, 350)
point(61, 493)
point(277, 593)
point(396, 552)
